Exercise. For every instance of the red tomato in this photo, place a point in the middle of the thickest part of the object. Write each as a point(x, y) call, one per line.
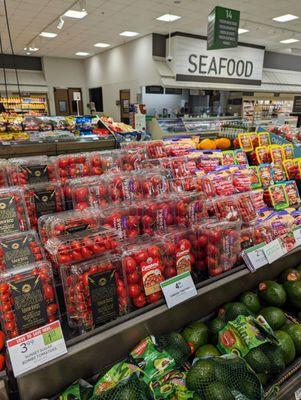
point(48, 292)
point(202, 241)
point(140, 301)
point(169, 248)
point(52, 309)
point(130, 264)
point(2, 362)
point(170, 272)
point(154, 297)
point(154, 251)
point(133, 277)
point(121, 292)
point(134, 290)
point(184, 243)
point(141, 256)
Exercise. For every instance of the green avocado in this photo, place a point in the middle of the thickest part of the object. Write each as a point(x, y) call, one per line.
point(258, 361)
point(275, 356)
point(294, 330)
point(218, 391)
point(290, 275)
point(196, 334)
point(272, 293)
point(287, 346)
point(274, 317)
point(293, 291)
point(201, 374)
point(215, 326)
point(250, 388)
point(263, 378)
point(233, 310)
point(208, 350)
point(251, 301)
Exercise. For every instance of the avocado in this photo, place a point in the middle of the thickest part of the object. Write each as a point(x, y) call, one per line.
point(287, 346)
point(235, 309)
point(275, 356)
point(176, 346)
point(251, 301)
point(215, 326)
point(272, 293)
point(197, 396)
point(258, 361)
point(208, 350)
point(290, 275)
point(218, 391)
point(294, 330)
point(274, 317)
point(196, 334)
point(128, 392)
point(293, 291)
point(263, 378)
point(250, 388)
point(201, 374)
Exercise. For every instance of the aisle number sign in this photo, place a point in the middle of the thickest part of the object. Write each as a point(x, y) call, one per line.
point(223, 24)
point(36, 348)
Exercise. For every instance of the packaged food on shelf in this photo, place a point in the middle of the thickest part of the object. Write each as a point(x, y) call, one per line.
point(245, 141)
point(265, 172)
point(208, 161)
point(22, 290)
point(3, 173)
point(179, 167)
point(20, 249)
point(292, 193)
point(263, 155)
point(187, 184)
point(124, 187)
point(292, 169)
point(234, 208)
point(105, 161)
point(43, 198)
point(158, 214)
point(277, 154)
point(275, 196)
point(257, 198)
point(131, 158)
point(288, 151)
point(190, 208)
point(125, 220)
point(278, 173)
point(72, 166)
point(94, 292)
point(68, 222)
point(82, 246)
point(89, 192)
point(31, 170)
point(218, 246)
point(154, 183)
point(228, 157)
point(241, 157)
point(245, 179)
point(218, 183)
point(13, 211)
point(155, 149)
point(264, 139)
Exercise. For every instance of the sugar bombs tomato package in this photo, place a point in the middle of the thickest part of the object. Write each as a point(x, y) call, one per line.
point(144, 269)
point(43, 198)
point(154, 183)
point(13, 211)
point(158, 214)
point(20, 249)
point(82, 246)
point(94, 292)
point(124, 220)
point(89, 192)
point(31, 170)
point(190, 208)
point(124, 187)
point(28, 298)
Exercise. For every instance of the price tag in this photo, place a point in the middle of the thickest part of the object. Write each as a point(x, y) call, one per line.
point(298, 394)
point(178, 289)
point(274, 250)
point(297, 236)
point(36, 348)
point(254, 257)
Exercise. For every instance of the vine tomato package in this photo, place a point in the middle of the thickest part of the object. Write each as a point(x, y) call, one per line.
point(241, 157)
point(264, 139)
point(243, 179)
point(265, 172)
point(125, 220)
point(94, 292)
point(158, 214)
point(275, 196)
point(89, 192)
point(28, 298)
point(228, 157)
point(245, 142)
point(277, 154)
point(278, 173)
point(292, 169)
point(263, 155)
point(131, 159)
point(13, 211)
point(292, 193)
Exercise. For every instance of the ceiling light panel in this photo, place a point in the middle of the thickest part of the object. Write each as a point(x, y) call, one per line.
point(241, 31)
point(129, 33)
point(76, 14)
point(82, 54)
point(102, 45)
point(288, 41)
point(285, 18)
point(49, 35)
point(168, 18)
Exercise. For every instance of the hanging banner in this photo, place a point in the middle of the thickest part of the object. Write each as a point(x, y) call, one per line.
point(223, 24)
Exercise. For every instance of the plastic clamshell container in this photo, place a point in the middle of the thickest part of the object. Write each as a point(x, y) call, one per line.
point(89, 192)
point(178, 167)
point(94, 292)
point(125, 220)
point(235, 208)
point(72, 166)
point(32, 170)
point(28, 299)
point(132, 158)
point(187, 184)
point(218, 183)
point(190, 208)
point(124, 187)
point(3, 173)
point(13, 211)
point(107, 161)
point(82, 246)
point(154, 183)
point(155, 149)
point(20, 249)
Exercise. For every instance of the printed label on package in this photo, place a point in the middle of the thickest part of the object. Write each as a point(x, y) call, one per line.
point(29, 303)
point(104, 300)
point(9, 222)
point(17, 252)
point(77, 228)
point(36, 173)
point(183, 260)
point(151, 276)
point(45, 202)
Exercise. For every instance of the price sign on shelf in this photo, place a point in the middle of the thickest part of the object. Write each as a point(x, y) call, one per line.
point(36, 348)
point(274, 250)
point(254, 257)
point(178, 289)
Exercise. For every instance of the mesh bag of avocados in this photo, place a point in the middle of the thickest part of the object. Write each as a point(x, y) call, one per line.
point(223, 378)
point(176, 346)
point(122, 382)
point(79, 390)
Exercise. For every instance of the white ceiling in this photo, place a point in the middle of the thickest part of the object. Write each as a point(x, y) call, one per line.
point(107, 18)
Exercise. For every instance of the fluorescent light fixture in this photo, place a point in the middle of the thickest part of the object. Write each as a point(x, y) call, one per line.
point(241, 31)
point(28, 53)
point(288, 41)
point(25, 48)
point(49, 35)
point(82, 54)
point(129, 33)
point(285, 18)
point(102, 45)
point(76, 14)
point(33, 49)
point(60, 23)
point(168, 18)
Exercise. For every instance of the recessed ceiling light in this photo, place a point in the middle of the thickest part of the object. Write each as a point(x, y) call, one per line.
point(103, 45)
point(128, 33)
point(241, 31)
point(28, 53)
point(285, 18)
point(49, 35)
point(168, 18)
point(76, 14)
point(288, 41)
point(34, 49)
point(82, 54)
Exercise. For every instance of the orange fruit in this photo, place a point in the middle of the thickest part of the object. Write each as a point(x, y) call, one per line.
point(223, 143)
point(207, 144)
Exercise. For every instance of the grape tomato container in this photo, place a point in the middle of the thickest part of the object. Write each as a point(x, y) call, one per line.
point(42, 199)
point(108, 161)
point(235, 208)
point(144, 270)
point(154, 183)
point(68, 223)
point(89, 192)
point(20, 249)
point(95, 292)
point(28, 299)
point(155, 149)
point(178, 167)
point(218, 246)
point(158, 214)
point(190, 208)
point(72, 166)
point(187, 184)
point(218, 184)
point(32, 170)
point(125, 220)
point(131, 159)
point(13, 211)
point(124, 187)
point(78, 247)
point(3, 173)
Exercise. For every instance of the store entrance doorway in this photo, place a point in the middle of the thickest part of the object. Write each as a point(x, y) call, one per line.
point(68, 101)
point(125, 97)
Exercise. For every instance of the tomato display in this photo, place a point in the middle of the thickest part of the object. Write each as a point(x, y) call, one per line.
point(125, 220)
point(154, 184)
point(13, 211)
point(124, 187)
point(89, 192)
point(3, 174)
point(158, 214)
point(190, 208)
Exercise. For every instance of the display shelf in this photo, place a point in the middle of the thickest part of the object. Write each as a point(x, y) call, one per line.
point(34, 103)
point(92, 353)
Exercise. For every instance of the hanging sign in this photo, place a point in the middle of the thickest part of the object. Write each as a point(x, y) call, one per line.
point(223, 24)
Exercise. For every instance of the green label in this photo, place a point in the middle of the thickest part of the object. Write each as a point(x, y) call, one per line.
point(175, 279)
point(52, 336)
point(223, 24)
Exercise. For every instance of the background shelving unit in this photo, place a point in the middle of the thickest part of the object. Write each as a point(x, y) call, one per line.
point(35, 104)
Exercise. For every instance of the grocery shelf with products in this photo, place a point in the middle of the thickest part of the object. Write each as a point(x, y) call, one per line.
point(36, 104)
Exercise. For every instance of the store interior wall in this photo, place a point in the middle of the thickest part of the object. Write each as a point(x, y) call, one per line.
point(155, 103)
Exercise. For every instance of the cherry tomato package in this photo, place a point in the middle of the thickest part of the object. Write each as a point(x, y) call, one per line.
point(243, 179)
point(187, 184)
point(218, 183)
point(89, 192)
point(124, 187)
point(241, 157)
point(265, 172)
point(68, 222)
point(277, 154)
point(263, 155)
point(28, 299)
point(125, 220)
point(208, 161)
point(42, 199)
point(292, 193)
point(218, 246)
point(31, 170)
point(275, 196)
point(292, 169)
point(158, 214)
point(82, 246)
point(245, 141)
point(20, 249)
point(257, 198)
point(154, 183)
point(190, 208)
point(94, 292)
point(278, 173)
point(235, 208)
point(228, 157)
point(3, 173)
point(264, 139)
point(105, 161)
point(155, 149)
point(288, 151)
point(131, 159)
point(72, 166)
point(13, 211)
point(144, 270)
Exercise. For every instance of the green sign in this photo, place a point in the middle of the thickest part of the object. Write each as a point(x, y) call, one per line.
point(223, 24)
